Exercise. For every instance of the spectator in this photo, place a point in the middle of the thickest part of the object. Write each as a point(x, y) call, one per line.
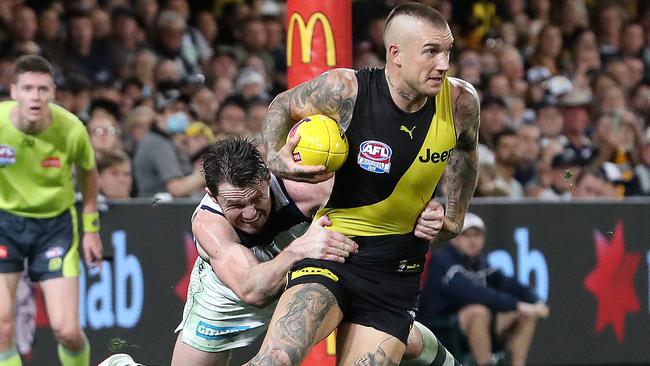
point(494, 118)
point(255, 113)
point(469, 67)
point(491, 307)
point(198, 137)
point(609, 26)
point(528, 153)
point(550, 121)
point(105, 132)
point(74, 95)
point(642, 170)
point(633, 40)
point(206, 23)
point(159, 164)
point(84, 55)
point(549, 46)
point(592, 183)
point(204, 105)
point(126, 36)
point(231, 119)
point(138, 123)
point(115, 179)
point(24, 28)
point(576, 121)
point(252, 41)
point(506, 146)
point(174, 41)
point(250, 84)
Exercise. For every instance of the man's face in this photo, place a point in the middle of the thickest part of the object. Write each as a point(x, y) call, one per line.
point(470, 242)
point(506, 150)
point(246, 208)
point(232, 120)
point(550, 121)
point(33, 91)
point(424, 57)
point(116, 181)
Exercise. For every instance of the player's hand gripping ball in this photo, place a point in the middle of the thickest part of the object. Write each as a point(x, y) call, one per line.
point(322, 142)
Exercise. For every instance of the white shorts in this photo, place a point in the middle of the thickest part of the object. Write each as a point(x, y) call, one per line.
point(214, 318)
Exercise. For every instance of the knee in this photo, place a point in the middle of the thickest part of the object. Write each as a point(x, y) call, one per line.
point(526, 318)
point(474, 313)
point(6, 334)
point(70, 336)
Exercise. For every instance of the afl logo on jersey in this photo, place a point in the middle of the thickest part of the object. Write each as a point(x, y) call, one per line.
point(374, 156)
point(7, 155)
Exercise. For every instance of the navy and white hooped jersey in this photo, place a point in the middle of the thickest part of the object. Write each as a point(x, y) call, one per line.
point(212, 304)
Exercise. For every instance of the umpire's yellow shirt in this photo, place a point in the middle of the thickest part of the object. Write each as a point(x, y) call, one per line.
point(36, 170)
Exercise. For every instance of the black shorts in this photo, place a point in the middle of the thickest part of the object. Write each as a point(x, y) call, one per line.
point(50, 245)
point(386, 301)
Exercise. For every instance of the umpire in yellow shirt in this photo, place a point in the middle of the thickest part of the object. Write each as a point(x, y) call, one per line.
point(39, 144)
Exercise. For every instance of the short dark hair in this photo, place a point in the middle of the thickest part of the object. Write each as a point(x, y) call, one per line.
point(503, 133)
point(420, 11)
point(109, 158)
point(32, 63)
point(233, 160)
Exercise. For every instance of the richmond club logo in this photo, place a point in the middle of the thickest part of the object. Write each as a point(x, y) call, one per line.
point(612, 282)
point(374, 156)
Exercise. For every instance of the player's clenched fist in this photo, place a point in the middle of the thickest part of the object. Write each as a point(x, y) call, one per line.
point(320, 243)
point(430, 221)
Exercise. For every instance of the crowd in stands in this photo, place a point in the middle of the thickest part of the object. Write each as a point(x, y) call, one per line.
point(564, 84)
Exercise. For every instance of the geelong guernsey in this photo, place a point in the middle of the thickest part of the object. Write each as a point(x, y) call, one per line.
point(36, 170)
point(220, 302)
point(394, 163)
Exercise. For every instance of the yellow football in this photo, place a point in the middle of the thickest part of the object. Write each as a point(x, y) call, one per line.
point(322, 142)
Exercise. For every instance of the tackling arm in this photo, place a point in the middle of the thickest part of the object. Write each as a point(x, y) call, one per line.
point(258, 283)
point(333, 94)
point(462, 170)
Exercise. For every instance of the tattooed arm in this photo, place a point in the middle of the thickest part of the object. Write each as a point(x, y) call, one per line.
point(462, 170)
point(332, 94)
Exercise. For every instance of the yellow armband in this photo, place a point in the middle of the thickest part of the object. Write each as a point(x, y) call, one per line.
point(90, 222)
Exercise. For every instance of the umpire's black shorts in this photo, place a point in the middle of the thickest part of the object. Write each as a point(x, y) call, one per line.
point(375, 297)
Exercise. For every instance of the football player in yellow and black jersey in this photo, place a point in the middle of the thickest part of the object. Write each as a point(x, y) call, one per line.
point(40, 143)
point(405, 124)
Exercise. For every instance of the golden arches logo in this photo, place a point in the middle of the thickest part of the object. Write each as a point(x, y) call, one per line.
point(306, 34)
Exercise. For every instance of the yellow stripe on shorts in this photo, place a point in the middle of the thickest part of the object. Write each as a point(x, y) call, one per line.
point(314, 271)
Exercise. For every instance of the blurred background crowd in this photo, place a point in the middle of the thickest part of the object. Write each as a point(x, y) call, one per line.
point(564, 85)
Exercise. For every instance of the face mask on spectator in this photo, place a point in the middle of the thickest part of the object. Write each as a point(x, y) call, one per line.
point(177, 122)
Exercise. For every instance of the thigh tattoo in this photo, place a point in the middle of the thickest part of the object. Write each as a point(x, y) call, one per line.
point(295, 331)
point(378, 358)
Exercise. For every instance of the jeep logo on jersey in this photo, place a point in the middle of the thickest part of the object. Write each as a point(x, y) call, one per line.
point(7, 155)
point(436, 157)
point(374, 156)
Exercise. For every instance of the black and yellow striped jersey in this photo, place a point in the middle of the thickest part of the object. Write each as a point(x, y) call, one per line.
point(394, 163)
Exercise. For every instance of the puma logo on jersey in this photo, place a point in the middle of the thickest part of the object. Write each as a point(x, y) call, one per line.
point(405, 129)
point(435, 157)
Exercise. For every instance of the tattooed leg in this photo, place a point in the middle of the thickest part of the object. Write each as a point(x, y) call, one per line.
point(366, 346)
point(305, 315)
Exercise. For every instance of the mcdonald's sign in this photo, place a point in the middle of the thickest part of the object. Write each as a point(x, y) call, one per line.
point(319, 38)
point(306, 35)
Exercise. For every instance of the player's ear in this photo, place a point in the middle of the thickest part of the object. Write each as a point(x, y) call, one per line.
point(395, 53)
point(207, 190)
